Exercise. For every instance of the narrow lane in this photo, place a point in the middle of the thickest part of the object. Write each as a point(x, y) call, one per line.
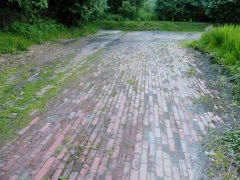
point(126, 115)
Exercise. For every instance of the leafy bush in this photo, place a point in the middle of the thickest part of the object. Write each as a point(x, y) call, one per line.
point(127, 10)
point(223, 43)
point(73, 12)
point(222, 10)
point(148, 11)
point(231, 140)
point(112, 17)
point(38, 31)
point(179, 10)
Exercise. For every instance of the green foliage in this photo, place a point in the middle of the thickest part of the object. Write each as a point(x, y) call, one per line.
point(74, 11)
point(185, 10)
point(231, 140)
point(148, 11)
point(177, 10)
point(114, 17)
point(152, 25)
point(225, 157)
point(127, 10)
point(222, 10)
point(19, 36)
point(68, 12)
point(11, 43)
point(31, 8)
point(223, 44)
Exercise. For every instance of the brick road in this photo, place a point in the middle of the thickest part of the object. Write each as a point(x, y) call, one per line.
point(127, 116)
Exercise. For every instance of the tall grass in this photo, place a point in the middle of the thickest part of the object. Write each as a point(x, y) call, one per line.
point(223, 44)
point(19, 36)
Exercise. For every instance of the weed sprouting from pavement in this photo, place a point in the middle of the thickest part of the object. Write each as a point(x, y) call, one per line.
point(67, 139)
point(114, 93)
point(131, 82)
point(191, 72)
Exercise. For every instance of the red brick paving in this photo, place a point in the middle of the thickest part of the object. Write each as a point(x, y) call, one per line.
point(129, 117)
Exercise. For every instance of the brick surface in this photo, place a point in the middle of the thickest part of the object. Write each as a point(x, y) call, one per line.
point(127, 116)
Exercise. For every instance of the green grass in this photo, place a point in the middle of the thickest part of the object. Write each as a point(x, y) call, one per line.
point(223, 45)
point(18, 95)
point(20, 86)
point(225, 158)
point(19, 36)
point(152, 26)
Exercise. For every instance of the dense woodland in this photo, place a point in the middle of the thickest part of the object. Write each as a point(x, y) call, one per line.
point(77, 11)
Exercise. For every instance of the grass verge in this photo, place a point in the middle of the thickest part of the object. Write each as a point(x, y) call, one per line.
point(223, 151)
point(19, 36)
point(152, 26)
point(222, 44)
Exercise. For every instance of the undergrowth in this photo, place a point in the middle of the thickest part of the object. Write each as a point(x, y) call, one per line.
point(222, 44)
point(152, 26)
point(19, 36)
point(224, 153)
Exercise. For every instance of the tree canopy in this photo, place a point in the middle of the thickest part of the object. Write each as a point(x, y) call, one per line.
point(77, 11)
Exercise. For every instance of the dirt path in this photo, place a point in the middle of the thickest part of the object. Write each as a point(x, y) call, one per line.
point(127, 115)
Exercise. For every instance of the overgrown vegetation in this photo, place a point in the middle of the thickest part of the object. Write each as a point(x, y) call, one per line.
point(18, 94)
point(199, 10)
point(152, 26)
point(19, 36)
point(223, 150)
point(222, 44)
point(27, 22)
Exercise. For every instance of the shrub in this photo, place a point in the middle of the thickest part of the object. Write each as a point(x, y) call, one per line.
point(222, 10)
point(37, 31)
point(127, 10)
point(179, 10)
point(112, 17)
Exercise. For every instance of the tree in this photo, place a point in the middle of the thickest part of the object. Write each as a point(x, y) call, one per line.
point(31, 8)
point(180, 10)
point(127, 10)
point(74, 11)
point(222, 10)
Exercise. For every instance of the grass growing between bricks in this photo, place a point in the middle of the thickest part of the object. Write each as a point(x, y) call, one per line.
point(24, 89)
point(19, 96)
